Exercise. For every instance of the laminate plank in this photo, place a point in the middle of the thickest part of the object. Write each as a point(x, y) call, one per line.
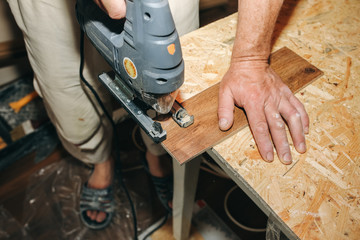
point(184, 144)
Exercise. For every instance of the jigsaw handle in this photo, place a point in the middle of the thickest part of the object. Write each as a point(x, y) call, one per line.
point(143, 49)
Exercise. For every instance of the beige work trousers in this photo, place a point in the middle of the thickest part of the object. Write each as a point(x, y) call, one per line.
point(51, 35)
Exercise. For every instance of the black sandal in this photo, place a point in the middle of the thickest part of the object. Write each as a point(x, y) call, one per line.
point(164, 186)
point(164, 190)
point(99, 200)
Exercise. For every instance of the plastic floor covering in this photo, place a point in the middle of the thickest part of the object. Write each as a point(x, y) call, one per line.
point(51, 206)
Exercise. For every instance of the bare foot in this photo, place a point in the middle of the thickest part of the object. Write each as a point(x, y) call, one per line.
point(101, 178)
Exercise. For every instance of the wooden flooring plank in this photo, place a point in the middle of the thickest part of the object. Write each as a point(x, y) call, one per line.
point(186, 143)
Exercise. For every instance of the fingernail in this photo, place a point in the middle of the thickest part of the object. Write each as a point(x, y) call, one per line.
point(306, 130)
point(269, 157)
point(287, 158)
point(302, 147)
point(223, 123)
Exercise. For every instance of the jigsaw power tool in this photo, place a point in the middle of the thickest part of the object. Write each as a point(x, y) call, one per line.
point(144, 53)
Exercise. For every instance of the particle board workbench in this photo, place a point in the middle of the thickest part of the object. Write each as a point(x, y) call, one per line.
point(318, 196)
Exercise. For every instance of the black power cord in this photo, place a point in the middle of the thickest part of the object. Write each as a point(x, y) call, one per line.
point(160, 225)
point(116, 136)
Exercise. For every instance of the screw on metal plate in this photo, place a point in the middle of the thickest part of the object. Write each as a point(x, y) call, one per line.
point(181, 116)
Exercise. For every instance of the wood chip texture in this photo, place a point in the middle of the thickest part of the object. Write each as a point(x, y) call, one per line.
point(318, 196)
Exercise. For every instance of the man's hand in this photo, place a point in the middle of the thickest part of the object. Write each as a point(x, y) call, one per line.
point(251, 83)
point(267, 101)
point(116, 9)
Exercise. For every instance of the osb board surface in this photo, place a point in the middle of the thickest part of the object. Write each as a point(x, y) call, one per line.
point(318, 196)
point(186, 143)
point(206, 53)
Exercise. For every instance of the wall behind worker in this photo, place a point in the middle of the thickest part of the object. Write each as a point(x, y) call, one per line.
point(8, 28)
point(10, 68)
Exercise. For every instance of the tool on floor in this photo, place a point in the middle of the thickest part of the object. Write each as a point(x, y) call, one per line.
point(145, 55)
point(17, 105)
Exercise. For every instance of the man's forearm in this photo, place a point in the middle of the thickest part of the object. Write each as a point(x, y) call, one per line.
point(256, 22)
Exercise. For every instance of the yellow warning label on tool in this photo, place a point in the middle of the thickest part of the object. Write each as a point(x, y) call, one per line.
point(171, 49)
point(130, 68)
